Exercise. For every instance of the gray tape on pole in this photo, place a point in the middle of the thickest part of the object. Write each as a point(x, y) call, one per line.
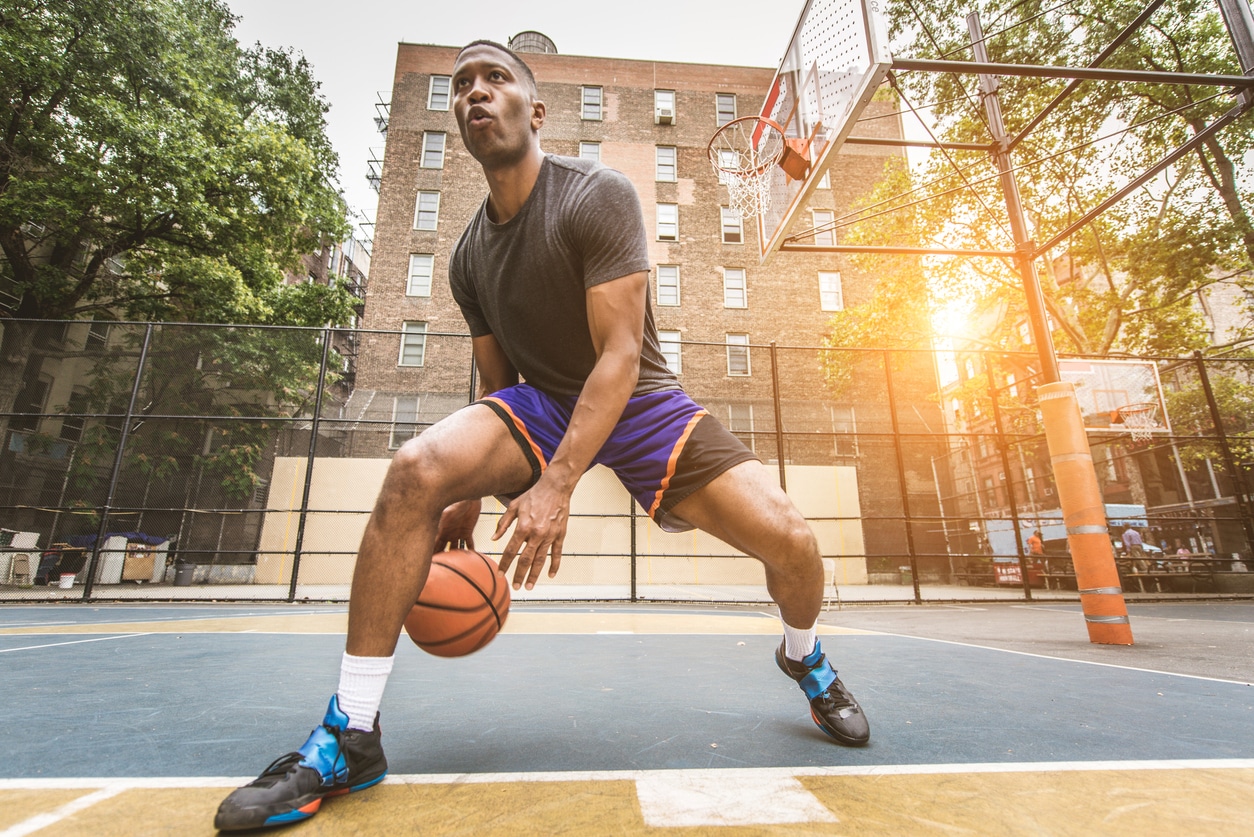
point(1102, 591)
point(1087, 530)
point(1052, 396)
point(1107, 620)
point(1072, 457)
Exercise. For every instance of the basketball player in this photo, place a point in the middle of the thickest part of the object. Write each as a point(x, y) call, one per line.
point(552, 277)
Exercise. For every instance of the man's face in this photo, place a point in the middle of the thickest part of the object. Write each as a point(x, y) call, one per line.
point(496, 111)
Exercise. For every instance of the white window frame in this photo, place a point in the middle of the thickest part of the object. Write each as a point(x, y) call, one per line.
point(663, 170)
point(825, 182)
point(668, 222)
point(421, 270)
point(590, 151)
point(404, 426)
point(592, 103)
point(668, 285)
point(738, 347)
point(844, 420)
point(433, 145)
point(664, 100)
point(734, 422)
point(731, 223)
point(672, 351)
point(433, 102)
point(735, 288)
point(413, 337)
point(434, 213)
point(727, 159)
point(822, 217)
point(719, 100)
point(831, 291)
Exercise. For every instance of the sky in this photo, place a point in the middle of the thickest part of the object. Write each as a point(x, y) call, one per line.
point(352, 46)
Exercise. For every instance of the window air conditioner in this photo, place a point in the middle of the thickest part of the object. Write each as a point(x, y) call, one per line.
point(665, 116)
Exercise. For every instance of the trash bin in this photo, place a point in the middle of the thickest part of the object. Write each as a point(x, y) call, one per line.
point(907, 577)
point(183, 574)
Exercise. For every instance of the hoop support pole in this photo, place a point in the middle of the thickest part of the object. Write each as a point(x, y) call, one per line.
point(1084, 513)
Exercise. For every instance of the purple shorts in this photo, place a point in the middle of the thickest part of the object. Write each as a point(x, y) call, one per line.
point(664, 447)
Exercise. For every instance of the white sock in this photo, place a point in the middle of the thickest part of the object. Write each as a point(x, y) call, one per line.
point(799, 642)
point(361, 688)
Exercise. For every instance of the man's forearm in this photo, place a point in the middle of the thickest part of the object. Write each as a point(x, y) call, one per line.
point(605, 393)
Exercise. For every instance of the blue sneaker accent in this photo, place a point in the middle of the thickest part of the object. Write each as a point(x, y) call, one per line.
point(322, 750)
point(832, 706)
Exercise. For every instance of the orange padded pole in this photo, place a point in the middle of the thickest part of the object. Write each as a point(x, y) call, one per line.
point(1101, 597)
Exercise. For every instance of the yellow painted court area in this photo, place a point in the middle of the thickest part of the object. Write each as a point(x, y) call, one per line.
point(518, 622)
point(1075, 802)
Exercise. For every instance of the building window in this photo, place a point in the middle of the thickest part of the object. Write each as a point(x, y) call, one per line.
point(668, 222)
point(738, 354)
point(668, 284)
point(845, 427)
point(413, 344)
point(666, 163)
point(664, 106)
point(421, 267)
point(433, 149)
point(734, 294)
point(740, 423)
point(591, 103)
point(831, 294)
point(404, 420)
point(733, 226)
point(97, 337)
point(72, 425)
point(669, 341)
point(437, 95)
point(30, 402)
point(427, 212)
point(825, 182)
point(726, 160)
point(590, 151)
point(824, 231)
point(724, 108)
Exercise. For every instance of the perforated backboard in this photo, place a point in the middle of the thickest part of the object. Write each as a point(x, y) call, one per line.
point(837, 58)
point(1104, 386)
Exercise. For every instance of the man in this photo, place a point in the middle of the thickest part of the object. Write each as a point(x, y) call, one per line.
point(552, 277)
point(1036, 546)
point(1134, 546)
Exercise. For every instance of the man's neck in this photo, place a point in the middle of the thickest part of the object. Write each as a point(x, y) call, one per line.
point(509, 187)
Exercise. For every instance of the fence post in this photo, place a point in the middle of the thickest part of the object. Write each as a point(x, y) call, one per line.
point(901, 476)
point(779, 419)
point(1004, 452)
point(117, 465)
point(309, 463)
point(631, 504)
point(1230, 462)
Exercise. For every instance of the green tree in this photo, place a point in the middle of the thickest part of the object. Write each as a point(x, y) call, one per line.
point(151, 168)
point(1126, 282)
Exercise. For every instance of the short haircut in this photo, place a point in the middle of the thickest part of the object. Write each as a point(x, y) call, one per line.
point(524, 71)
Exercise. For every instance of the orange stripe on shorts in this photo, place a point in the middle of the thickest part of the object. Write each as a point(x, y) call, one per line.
point(522, 428)
point(673, 462)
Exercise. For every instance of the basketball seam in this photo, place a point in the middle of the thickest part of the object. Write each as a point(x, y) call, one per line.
point(486, 599)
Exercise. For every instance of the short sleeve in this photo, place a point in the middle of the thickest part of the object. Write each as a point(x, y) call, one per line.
point(464, 292)
point(609, 228)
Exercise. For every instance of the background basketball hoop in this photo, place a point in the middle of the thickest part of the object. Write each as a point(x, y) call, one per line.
point(743, 153)
point(1139, 419)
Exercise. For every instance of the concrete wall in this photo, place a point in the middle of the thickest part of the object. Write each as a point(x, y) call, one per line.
point(597, 543)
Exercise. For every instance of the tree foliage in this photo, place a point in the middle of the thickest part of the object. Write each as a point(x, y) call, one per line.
point(1128, 280)
point(151, 168)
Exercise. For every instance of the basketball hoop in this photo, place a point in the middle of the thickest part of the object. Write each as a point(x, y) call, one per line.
point(1139, 419)
point(742, 153)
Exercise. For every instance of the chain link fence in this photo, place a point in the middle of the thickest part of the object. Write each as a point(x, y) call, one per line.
point(146, 461)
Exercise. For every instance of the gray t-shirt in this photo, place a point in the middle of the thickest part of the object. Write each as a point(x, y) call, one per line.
point(524, 281)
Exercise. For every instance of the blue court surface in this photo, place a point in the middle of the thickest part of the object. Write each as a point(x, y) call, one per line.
point(666, 719)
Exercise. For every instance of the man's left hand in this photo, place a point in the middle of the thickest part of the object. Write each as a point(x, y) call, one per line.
point(541, 515)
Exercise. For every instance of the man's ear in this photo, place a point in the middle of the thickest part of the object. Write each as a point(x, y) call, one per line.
point(537, 114)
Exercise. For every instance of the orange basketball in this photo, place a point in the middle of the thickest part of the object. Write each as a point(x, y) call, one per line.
point(462, 606)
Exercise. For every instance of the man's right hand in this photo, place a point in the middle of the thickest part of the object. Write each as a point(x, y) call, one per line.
point(457, 525)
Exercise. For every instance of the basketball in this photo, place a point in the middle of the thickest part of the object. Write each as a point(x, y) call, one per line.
point(462, 606)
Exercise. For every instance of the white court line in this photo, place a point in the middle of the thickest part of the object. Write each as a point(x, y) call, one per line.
point(1072, 659)
point(41, 821)
point(71, 642)
point(736, 773)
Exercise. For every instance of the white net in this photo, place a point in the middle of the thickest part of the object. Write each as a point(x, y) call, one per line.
point(743, 153)
point(1139, 420)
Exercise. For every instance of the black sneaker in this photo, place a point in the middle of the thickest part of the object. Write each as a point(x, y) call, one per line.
point(335, 760)
point(832, 706)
